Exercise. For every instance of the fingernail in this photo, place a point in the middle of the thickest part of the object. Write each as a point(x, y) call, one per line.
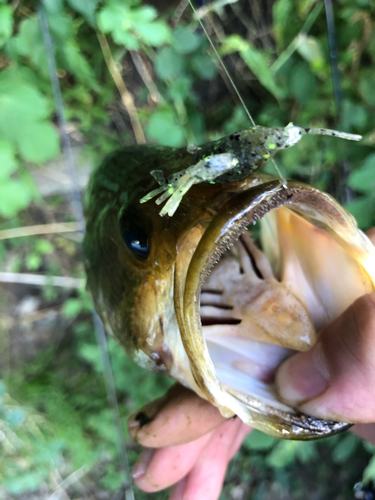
point(140, 468)
point(145, 415)
point(302, 377)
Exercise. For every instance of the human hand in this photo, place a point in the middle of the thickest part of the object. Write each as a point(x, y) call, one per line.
point(189, 444)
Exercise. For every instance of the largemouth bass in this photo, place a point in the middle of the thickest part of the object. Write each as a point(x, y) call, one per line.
point(193, 296)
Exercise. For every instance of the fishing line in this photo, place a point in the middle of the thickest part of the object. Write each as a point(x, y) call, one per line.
point(78, 214)
point(343, 192)
point(231, 80)
point(223, 65)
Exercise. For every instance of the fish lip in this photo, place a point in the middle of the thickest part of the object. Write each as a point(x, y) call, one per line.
point(229, 223)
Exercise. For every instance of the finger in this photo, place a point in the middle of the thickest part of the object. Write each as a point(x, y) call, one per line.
point(371, 234)
point(205, 480)
point(243, 431)
point(158, 469)
point(365, 431)
point(179, 417)
point(336, 378)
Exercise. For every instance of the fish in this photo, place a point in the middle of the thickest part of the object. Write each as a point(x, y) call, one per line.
point(207, 296)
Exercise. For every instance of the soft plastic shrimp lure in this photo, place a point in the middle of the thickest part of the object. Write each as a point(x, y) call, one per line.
point(230, 159)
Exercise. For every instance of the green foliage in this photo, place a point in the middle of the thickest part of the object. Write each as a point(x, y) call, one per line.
point(287, 78)
point(29, 451)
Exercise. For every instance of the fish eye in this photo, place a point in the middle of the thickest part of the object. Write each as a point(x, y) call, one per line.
point(134, 234)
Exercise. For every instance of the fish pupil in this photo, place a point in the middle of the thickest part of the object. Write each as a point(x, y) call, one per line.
point(135, 238)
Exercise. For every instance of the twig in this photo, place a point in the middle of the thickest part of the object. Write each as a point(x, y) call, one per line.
point(40, 280)
point(55, 227)
point(124, 92)
point(145, 75)
point(293, 46)
point(69, 481)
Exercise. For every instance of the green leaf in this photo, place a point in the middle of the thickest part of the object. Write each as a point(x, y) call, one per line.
point(155, 33)
point(14, 196)
point(7, 159)
point(78, 65)
point(204, 66)
point(283, 454)
point(53, 6)
point(86, 8)
point(29, 43)
point(163, 129)
point(363, 179)
point(169, 65)
point(185, 41)
point(362, 210)
point(366, 86)
point(39, 142)
point(302, 83)
point(257, 440)
point(44, 246)
point(310, 49)
point(369, 472)
point(281, 13)
point(180, 88)
point(6, 23)
point(72, 308)
point(257, 62)
point(345, 448)
point(145, 14)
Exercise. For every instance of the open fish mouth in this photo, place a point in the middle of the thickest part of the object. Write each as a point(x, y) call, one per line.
point(241, 311)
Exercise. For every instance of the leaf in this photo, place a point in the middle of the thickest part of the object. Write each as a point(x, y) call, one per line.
point(169, 65)
point(39, 142)
point(180, 88)
point(145, 14)
point(369, 472)
point(363, 179)
point(78, 65)
point(256, 61)
point(86, 8)
point(310, 49)
point(366, 87)
point(7, 159)
point(283, 454)
point(281, 14)
point(204, 66)
point(53, 6)
point(23, 119)
point(6, 23)
point(362, 210)
point(185, 41)
point(72, 308)
point(115, 19)
point(257, 440)
point(29, 43)
point(163, 129)
point(155, 33)
point(302, 83)
point(44, 246)
point(14, 196)
point(345, 448)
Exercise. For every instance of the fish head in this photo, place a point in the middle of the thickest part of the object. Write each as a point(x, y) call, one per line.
point(194, 297)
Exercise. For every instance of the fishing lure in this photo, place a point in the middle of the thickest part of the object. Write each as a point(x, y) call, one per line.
point(230, 159)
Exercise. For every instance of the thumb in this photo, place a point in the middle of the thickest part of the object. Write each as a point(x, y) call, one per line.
point(335, 379)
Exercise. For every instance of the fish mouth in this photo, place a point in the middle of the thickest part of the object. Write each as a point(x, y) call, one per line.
point(244, 310)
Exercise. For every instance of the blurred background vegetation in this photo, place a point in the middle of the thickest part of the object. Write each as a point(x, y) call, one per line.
point(131, 70)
